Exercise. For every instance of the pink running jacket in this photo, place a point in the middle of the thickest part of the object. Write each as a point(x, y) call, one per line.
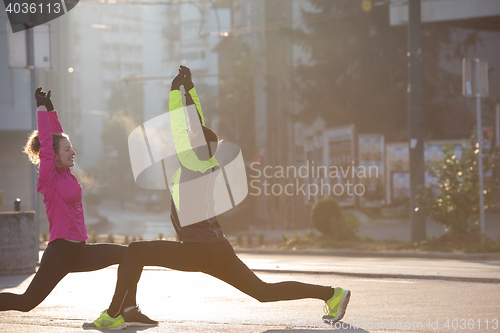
point(62, 194)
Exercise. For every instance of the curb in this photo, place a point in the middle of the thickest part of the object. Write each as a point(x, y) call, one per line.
point(377, 254)
point(384, 276)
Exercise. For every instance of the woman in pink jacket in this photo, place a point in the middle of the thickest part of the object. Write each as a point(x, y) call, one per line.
point(67, 251)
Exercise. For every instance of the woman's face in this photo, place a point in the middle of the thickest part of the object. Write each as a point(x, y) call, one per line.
point(66, 155)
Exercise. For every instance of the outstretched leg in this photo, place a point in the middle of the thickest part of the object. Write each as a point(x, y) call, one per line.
point(241, 277)
point(237, 274)
point(56, 262)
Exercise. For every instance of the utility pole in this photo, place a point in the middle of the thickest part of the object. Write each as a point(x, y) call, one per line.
point(497, 127)
point(22, 56)
point(475, 84)
point(277, 62)
point(31, 68)
point(480, 156)
point(415, 118)
point(272, 106)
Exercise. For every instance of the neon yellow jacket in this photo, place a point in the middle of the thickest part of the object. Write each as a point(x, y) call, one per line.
point(187, 157)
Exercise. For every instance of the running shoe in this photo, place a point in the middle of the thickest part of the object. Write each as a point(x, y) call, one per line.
point(335, 307)
point(106, 321)
point(134, 318)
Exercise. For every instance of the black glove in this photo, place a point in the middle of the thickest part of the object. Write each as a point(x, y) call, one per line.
point(177, 81)
point(43, 99)
point(188, 81)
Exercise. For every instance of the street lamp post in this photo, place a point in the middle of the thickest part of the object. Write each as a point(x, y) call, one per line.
point(31, 68)
point(415, 119)
point(475, 84)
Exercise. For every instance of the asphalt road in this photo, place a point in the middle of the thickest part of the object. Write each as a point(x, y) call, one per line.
point(194, 302)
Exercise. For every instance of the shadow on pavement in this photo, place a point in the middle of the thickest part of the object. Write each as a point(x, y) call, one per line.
point(315, 330)
point(128, 329)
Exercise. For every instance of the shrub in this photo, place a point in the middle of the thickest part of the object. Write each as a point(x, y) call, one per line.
point(453, 200)
point(324, 214)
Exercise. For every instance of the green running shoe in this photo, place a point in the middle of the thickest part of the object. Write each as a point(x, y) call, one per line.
point(335, 307)
point(105, 321)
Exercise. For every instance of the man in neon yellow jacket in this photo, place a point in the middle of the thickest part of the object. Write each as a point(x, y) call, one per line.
point(202, 246)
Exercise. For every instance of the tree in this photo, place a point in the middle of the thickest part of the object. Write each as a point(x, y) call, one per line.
point(236, 114)
point(453, 199)
point(126, 112)
point(236, 93)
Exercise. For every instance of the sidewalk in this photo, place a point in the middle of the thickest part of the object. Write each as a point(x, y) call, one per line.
point(399, 267)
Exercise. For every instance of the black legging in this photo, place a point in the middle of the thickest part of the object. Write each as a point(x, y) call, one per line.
point(216, 259)
point(60, 258)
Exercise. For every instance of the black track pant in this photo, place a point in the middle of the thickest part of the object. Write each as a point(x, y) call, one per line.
point(216, 259)
point(60, 258)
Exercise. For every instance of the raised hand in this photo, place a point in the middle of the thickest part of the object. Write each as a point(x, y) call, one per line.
point(43, 98)
point(177, 81)
point(188, 81)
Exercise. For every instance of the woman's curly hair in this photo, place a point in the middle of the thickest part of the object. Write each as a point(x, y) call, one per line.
point(32, 147)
